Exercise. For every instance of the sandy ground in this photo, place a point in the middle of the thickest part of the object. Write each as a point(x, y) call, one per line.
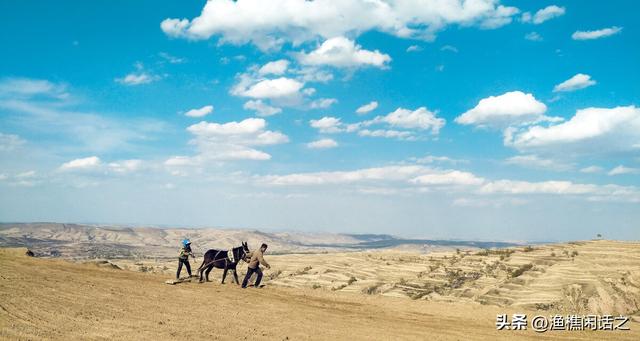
point(55, 299)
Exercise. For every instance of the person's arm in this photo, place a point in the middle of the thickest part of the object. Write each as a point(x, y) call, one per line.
point(262, 261)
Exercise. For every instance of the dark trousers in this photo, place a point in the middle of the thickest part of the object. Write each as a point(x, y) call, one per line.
point(186, 264)
point(250, 272)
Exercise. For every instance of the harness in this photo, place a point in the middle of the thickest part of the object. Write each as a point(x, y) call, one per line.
point(229, 259)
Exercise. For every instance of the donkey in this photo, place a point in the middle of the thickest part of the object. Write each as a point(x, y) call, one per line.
point(227, 260)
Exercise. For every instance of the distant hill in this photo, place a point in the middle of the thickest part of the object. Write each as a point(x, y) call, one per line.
point(100, 241)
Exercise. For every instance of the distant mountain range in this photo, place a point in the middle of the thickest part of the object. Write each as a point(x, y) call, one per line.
point(99, 241)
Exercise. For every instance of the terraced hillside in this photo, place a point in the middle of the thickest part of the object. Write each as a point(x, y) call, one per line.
point(595, 276)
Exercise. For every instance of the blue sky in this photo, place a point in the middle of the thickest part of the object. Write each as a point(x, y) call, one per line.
point(475, 120)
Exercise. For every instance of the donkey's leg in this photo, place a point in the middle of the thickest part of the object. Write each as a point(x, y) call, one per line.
point(208, 270)
point(235, 276)
point(224, 275)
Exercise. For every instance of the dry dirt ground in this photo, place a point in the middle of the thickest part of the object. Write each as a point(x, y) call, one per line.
point(56, 299)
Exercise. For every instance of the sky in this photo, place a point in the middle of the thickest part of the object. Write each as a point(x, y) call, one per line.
point(483, 119)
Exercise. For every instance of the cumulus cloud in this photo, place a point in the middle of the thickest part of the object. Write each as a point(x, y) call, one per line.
point(86, 163)
point(201, 112)
point(232, 140)
point(590, 130)
point(534, 161)
point(419, 179)
point(620, 170)
point(364, 109)
point(328, 125)
point(543, 187)
point(597, 34)
point(544, 14)
point(261, 108)
point(30, 88)
point(450, 177)
point(510, 108)
point(126, 166)
point(270, 88)
point(533, 36)
point(412, 121)
point(591, 170)
point(322, 144)
point(137, 78)
point(344, 53)
point(299, 21)
point(449, 48)
point(322, 103)
point(172, 59)
point(277, 67)
point(421, 119)
point(577, 82)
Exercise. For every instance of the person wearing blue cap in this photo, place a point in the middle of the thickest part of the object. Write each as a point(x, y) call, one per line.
point(183, 258)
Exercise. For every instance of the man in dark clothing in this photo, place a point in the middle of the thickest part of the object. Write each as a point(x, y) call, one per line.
point(254, 266)
point(183, 258)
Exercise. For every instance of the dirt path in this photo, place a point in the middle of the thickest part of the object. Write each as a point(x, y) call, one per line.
point(54, 299)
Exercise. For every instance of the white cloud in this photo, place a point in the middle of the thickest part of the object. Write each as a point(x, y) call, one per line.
point(544, 187)
point(269, 88)
point(322, 144)
point(620, 170)
point(87, 163)
point(421, 119)
point(387, 133)
point(297, 21)
point(414, 48)
point(452, 177)
point(367, 108)
point(172, 59)
point(591, 170)
point(328, 125)
point(597, 34)
point(29, 88)
point(436, 159)
point(342, 52)
point(204, 111)
point(378, 174)
point(510, 108)
point(577, 82)
point(234, 140)
point(544, 14)
point(322, 103)
point(137, 78)
point(9, 142)
point(126, 166)
point(533, 36)
point(591, 130)
point(417, 179)
point(277, 67)
point(534, 161)
point(261, 108)
point(449, 48)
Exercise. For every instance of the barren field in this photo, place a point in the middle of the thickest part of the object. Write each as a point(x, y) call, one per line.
point(395, 295)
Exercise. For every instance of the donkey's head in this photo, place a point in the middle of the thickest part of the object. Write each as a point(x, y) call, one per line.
point(240, 252)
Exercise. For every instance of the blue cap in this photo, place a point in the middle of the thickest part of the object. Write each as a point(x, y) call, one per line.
point(186, 242)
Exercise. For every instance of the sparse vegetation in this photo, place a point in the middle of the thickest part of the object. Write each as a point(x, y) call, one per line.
point(520, 270)
point(372, 289)
point(316, 286)
point(528, 248)
point(351, 280)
